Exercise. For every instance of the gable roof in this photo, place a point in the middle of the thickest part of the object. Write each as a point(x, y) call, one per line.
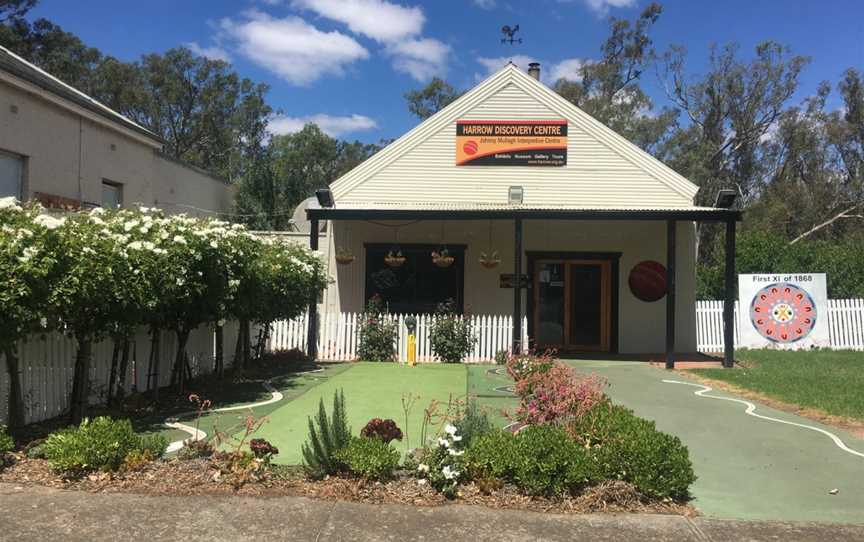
point(511, 76)
point(21, 68)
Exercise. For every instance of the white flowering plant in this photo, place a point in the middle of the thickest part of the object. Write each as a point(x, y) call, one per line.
point(443, 464)
point(27, 265)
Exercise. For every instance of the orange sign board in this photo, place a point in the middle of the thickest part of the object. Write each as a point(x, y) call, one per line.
point(511, 143)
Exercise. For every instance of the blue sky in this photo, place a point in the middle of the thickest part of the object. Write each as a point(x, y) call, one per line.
point(347, 63)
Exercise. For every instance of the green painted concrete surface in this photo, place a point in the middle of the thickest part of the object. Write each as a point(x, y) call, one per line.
point(748, 468)
point(372, 390)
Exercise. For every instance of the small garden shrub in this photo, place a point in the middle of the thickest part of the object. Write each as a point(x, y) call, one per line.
point(443, 465)
point(501, 357)
point(98, 444)
point(473, 424)
point(492, 455)
point(385, 430)
point(294, 356)
point(327, 435)
point(540, 460)
point(6, 442)
point(263, 450)
point(377, 335)
point(549, 463)
point(626, 447)
point(195, 449)
point(371, 458)
point(520, 366)
point(451, 336)
point(558, 393)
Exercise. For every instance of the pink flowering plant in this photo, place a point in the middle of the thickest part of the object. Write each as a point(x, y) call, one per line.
point(551, 392)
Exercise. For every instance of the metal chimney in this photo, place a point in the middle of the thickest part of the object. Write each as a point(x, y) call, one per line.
point(534, 70)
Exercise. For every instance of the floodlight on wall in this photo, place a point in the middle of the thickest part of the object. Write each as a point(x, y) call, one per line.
point(515, 195)
point(725, 199)
point(325, 197)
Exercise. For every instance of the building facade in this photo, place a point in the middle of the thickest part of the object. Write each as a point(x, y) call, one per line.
point(541, 211)
point(66, 150)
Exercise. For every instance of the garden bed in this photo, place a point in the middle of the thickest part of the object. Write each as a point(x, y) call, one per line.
point(198, 477)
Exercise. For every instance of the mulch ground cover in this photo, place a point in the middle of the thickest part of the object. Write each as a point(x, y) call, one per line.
point(203, 477)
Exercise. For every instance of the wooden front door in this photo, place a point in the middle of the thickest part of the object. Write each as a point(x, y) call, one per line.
point(572, 304)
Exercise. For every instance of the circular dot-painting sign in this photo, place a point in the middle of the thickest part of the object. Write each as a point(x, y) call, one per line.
point(783, 312)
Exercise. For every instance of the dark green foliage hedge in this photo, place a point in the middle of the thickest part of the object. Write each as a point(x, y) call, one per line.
point(763, 252)
point(6, 442)
point(98, 444)
point(626, 447)
point(610, 443)
point(540, 460)
point(370, 458)
point(451, 336)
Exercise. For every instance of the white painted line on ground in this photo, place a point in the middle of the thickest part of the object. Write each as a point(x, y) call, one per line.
point(751, 410)
point(197, 434)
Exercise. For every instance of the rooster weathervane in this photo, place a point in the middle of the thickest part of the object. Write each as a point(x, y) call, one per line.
point(509, 34)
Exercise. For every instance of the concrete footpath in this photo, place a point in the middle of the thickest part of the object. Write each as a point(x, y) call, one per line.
point(37, 513)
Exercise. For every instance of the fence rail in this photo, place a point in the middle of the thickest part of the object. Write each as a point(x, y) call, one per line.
point(47, 364)
point(338, 335)
point(47, 361)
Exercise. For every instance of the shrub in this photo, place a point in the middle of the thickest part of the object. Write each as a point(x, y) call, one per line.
point(195, 449)
point(385, 430)
point(6, 442)
point(294, 356)
point(501, 357)
point(626, 447)
point(556, 395)
point(520, 366)
point(326, 437)
point(451, 336)
point(377, 335)
point(371, 458)
point(473, 424)
point(493, 455)
point(443, 465)
point(262, 449)
point(98, 444)
point(549, 463)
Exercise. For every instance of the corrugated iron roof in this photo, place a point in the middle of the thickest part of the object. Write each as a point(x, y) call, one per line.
point(479, 206)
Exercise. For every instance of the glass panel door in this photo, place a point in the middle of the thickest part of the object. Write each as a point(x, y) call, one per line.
point(586, 289)
point(549, 290)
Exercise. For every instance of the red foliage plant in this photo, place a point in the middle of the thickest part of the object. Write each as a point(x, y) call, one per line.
point(551, 392)
point(262, 449)
point(386, 430)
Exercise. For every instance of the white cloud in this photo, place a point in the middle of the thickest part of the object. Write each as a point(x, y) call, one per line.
point(484, 4)
point(569, 69)
point(601, 7)
point(421, 58)
point(213, 53)
point(376, 19)
point(292, 48)
point(333, 126)
point(549, 72)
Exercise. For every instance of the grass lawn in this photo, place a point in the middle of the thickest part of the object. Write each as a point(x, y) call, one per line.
point(372, 390)
point(831, 381)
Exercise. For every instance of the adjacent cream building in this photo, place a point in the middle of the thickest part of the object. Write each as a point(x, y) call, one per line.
point(67, 150)
point(513, 180)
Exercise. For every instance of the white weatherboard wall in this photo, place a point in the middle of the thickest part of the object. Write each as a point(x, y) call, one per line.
point(603, 169)
point(641, 325)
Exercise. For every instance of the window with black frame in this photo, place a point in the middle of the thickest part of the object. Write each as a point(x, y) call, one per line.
point(419, 284)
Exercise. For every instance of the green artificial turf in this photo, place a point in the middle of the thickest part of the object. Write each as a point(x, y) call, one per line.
point(829, 380)
point(372, 390)
point(485, 385)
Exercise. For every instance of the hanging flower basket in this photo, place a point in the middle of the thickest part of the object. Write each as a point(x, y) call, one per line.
point(489, 261)
point(344, 257)
point(442, 258)
point(394, 259)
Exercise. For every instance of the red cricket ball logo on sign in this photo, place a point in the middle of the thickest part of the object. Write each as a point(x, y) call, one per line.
point(470, 147)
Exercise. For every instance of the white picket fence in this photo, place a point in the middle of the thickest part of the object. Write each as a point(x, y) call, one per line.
point(338, 336)
point(47, 366)
point(845, 324)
